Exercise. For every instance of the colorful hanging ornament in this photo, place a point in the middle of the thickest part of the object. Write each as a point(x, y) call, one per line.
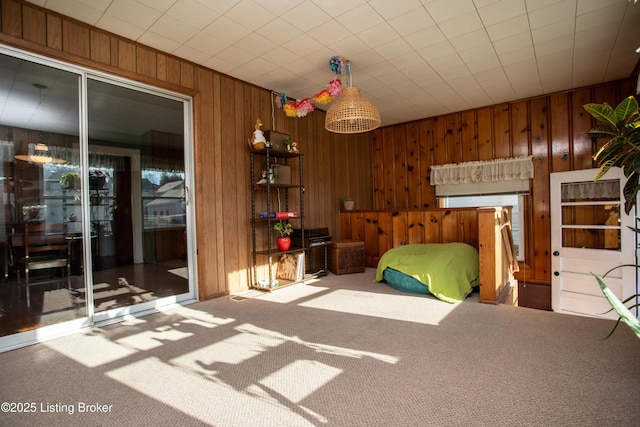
point(305, 106)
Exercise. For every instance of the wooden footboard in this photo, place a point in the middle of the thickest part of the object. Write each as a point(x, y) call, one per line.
point(383, 230)
point(498, 260)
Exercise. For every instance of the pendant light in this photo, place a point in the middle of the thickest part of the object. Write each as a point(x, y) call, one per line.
point(351, 112)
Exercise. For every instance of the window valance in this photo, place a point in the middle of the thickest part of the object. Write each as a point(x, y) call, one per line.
point(501, 176)
point(518, 168)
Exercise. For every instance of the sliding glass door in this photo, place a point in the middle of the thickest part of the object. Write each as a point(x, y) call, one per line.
point(94, 182)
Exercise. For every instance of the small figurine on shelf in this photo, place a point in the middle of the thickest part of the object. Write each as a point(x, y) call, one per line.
point(257, 141)
point(263, 177)
point(294, 147)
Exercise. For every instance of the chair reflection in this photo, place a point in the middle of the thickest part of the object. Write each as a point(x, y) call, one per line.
point(42, 248)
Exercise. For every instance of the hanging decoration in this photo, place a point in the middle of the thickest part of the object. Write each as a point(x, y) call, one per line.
point(305, 106)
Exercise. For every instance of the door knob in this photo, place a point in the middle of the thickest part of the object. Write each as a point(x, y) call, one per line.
point(555, 273)
point(556, 253)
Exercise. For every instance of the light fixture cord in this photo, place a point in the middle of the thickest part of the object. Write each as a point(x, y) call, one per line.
point(347, 69)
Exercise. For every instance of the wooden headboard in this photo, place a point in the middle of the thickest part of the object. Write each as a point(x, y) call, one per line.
point(486, 229)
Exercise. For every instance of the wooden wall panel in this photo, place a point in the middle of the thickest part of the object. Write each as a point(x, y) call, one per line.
point(485, 133)
point(414, 192)
point(425, 151)
point(550, 128)
point(400, 167)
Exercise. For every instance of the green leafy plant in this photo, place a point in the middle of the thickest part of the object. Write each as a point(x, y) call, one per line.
point(283, 228)
point(70, 180)
point(344, 198)
point(622, 126)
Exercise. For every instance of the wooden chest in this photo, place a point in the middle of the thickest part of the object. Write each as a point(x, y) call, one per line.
point(346, 256)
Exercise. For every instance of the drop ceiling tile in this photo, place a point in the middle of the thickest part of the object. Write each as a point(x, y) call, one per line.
point(192, 12)
point(437, 50)
point(516, 42)
point(501, 10)
point(554, 31)
point(329, 33)
point(391, 9)
point(534, 5)
point(159, 5)
point(205, 43)
point(191, 54)
point(425, 37)
point(278, 31)
point(235, 56)
point(306, 16)
point(418, 69)
point(173, 29)
point(484, 64)
point(82, 11)
point(470, 40)
point(302, 45)
point(412, 21)
point(259, 66)
point(444, 10)
point(586, 6)
point(158, 41)
point(335, 8)
point(509, 28)
point(462, 24)
point(516, 56)
point(276, 7)
point(378, 35)
point(360, 19)
point(597, 18)
point(254, 44)
point(118, 26)
point(555, 45)
point(393, 49)
point(478, 53)
point(280, 55)
point(250, 14)
point(408, 60)
point(227, 30)
point(133, 12)
point(558, 11)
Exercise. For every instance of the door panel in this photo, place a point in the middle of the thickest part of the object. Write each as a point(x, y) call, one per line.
point(589, 234)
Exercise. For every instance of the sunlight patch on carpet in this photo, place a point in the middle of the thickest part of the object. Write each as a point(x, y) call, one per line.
point(407, 308)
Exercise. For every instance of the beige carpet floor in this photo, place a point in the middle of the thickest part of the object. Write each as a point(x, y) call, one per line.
point(338, 351)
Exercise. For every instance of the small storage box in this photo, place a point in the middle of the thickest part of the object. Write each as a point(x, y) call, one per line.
point(346, 256)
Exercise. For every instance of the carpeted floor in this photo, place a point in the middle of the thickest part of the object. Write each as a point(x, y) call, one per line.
point(340, 351)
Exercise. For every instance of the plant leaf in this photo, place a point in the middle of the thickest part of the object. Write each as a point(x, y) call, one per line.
point(602, 112)
point(626, 109)
point(625, 314)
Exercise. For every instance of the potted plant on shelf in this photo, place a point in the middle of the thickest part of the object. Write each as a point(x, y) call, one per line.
point(70, 181)
point(622, 126)
point(284, 230)
point(347, 202)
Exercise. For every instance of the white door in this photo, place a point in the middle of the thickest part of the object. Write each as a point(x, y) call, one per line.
point(589, 234)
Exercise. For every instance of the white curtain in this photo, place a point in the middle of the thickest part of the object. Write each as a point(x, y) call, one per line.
point(519, 168)
point(591, 190)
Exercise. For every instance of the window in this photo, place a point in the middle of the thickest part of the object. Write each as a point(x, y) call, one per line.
point(513, 200)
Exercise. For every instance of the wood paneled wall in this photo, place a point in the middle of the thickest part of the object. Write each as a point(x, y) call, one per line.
point(225, 110)
point(553, 129)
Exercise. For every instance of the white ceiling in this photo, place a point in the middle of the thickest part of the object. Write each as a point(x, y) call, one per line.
point(412, 58)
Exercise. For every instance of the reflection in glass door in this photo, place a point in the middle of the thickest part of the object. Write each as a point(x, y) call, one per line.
point(94, 224)
point(41, 230)
point(137, 198)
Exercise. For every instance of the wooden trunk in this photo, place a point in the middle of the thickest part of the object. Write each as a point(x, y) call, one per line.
point(346, 256)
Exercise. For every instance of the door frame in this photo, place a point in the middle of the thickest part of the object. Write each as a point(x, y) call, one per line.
point(623, 280)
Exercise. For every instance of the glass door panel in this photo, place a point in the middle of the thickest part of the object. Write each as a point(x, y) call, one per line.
point(137, 197)
point(41, 230)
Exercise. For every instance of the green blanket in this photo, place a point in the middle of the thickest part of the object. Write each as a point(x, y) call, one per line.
point(449, 270)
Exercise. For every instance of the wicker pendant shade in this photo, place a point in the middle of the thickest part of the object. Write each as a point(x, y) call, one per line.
point(351, 112)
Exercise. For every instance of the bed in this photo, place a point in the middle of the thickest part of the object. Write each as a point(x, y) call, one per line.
point(448, 271)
